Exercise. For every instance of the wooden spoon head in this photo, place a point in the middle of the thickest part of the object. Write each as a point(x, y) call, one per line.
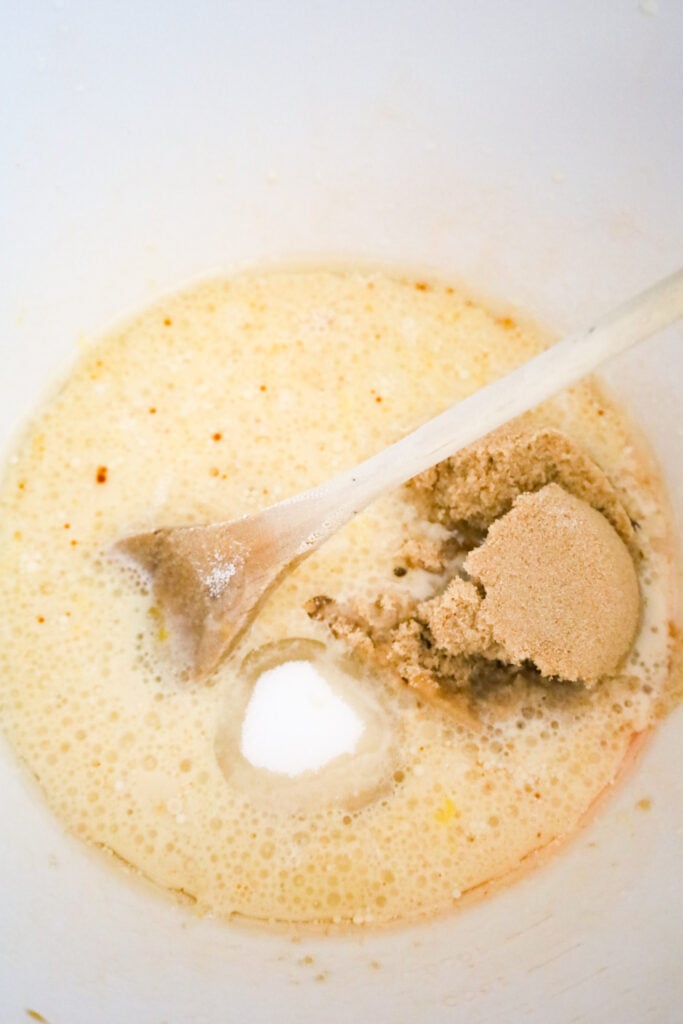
point(208, 581)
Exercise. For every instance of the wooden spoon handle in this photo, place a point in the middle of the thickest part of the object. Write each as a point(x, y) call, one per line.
point(558, 367)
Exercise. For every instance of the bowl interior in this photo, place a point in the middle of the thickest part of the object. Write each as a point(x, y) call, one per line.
point(527, 150)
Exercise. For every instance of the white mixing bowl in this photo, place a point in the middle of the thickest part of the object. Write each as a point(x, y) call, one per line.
point(533, 149)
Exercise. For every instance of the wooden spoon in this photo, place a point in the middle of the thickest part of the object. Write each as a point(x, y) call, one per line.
point(209, 580)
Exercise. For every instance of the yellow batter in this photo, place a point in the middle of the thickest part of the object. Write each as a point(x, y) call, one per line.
point(216, 402)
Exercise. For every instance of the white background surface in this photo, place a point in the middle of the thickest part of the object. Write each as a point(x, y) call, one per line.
point(533, 148)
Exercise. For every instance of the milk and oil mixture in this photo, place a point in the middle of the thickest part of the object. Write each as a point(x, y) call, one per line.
point(217, 402)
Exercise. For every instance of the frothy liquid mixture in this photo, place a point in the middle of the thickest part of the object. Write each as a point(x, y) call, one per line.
point(215, 403)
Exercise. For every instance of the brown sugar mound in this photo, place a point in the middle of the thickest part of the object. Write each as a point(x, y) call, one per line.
point(560, 587)
point(477, 485)
point(403, 648)
point(454, 619)
point(551, 589)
